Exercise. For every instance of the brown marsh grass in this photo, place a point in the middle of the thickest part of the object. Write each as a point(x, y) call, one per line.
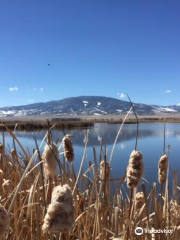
point(101, 211)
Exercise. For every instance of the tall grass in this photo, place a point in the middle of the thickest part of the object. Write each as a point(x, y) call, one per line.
point(101, 211)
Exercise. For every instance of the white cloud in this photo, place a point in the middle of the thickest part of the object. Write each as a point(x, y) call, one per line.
point(41, 89)
point(30, 100)
point(122, 95)
point(168, 91)
point(13, 89)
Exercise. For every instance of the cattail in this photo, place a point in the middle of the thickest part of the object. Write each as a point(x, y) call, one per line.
point(139, 200)
point(68, 147)
point(3, 220)
point(175, 213)
point(104, 170)
point(135, 169)
point(60, 213)
point(163, 164)
point(50, 158)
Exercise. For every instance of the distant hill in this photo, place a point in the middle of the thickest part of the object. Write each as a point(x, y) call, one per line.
point(86, 105)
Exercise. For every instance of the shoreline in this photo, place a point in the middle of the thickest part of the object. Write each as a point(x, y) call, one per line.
point(68, 122)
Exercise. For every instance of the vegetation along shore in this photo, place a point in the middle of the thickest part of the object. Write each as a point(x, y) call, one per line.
point(69, 122)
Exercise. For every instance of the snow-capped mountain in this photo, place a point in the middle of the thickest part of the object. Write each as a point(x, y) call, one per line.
point(86, 105)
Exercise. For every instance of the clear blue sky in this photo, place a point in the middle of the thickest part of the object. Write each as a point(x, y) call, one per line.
point(95, 47)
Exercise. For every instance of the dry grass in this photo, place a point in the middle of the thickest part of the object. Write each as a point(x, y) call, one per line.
point(101, 212)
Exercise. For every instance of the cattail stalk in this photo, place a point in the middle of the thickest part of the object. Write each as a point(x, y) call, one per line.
point(134, 173)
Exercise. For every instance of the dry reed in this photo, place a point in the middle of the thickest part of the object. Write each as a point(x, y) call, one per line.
point(3, 221)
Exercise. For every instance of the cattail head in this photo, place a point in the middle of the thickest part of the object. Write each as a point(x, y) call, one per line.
point(63, 195)
point(68, 148)
point(3, 220)
point(163, 165)
point(175, 213)
point(104, 170)
point(135, 169)
point(50, 158)
point(60, 213)
point(139, 200)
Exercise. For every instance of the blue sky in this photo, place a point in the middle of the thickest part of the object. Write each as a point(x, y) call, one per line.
point(94, 47)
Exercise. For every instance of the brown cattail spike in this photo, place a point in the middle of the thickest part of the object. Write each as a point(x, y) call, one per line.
point(135, 169)
point(163, 165)
point(60, 213)
point(50, 158)
point(139, 200)
point(104, 170)
point(3, 220)
point(175, 213)
point(68, 148)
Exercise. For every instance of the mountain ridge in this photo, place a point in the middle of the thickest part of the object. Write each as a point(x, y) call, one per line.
point(86, 105)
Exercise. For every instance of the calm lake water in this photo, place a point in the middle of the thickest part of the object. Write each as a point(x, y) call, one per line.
point(150, 142)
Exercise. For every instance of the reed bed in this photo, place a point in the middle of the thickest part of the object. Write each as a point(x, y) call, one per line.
point(42, 198)
point(43, 125)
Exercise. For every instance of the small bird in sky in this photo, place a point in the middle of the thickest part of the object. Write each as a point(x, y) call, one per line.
point(49, 64)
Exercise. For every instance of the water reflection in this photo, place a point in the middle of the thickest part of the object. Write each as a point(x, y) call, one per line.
point(150, 142)
point(108, 133)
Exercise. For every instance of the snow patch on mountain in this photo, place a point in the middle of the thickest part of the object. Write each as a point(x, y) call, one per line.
point(8, 112)
point(164, 109)
point(97, 109)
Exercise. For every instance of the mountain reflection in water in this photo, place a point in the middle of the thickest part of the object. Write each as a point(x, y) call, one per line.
point(106, 132)
point(150, 142)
